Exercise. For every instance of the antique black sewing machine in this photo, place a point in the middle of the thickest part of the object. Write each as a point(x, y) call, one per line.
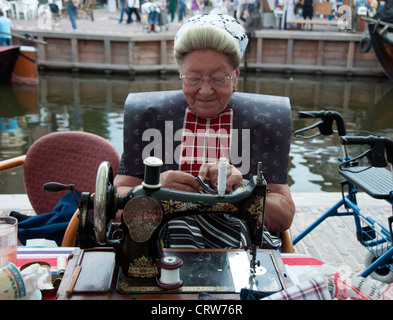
point(143, 263)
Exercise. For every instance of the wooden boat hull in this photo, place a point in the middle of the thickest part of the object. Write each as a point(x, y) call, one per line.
point(383, 47)
point(8, 57)
point(18, 64)
point(25, 69)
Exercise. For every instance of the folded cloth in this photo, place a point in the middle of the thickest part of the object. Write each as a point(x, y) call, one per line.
point(248, 294)
point(51, 225)
point(207, 296)
point(345, 285)
point(19, 216)
point(313, 289)
point(327, 282)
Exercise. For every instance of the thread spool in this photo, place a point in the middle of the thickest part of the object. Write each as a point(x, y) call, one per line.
point(152, 172)
point(170, 276)
point(61, 265)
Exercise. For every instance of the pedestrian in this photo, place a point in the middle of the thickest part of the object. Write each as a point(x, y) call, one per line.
point(172, 9)
point(196, 7)
point(308, 10)
point(133, 7)
point(5, 26)
point(181, 10)
point(163, 15)
point(71, 6)
point(123, 8)
point(238, 10)
point(152, 10)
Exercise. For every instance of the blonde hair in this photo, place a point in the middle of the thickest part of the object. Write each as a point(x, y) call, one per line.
point(207, 37)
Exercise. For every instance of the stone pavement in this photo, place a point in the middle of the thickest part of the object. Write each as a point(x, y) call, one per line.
point(333, 242)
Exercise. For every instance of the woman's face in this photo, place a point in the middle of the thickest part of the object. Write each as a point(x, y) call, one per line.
point(206, 99)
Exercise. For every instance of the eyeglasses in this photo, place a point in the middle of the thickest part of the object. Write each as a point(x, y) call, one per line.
point(194, 81)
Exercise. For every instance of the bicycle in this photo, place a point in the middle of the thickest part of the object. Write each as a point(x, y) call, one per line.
point(374, 179)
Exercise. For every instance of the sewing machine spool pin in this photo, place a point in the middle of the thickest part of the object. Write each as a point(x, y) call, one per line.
point(260, 177)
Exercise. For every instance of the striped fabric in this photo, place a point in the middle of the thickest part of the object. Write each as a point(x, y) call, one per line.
point(212, 231)
point(205, 140)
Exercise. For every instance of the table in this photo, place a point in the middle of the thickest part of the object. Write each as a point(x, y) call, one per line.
point(293, 263)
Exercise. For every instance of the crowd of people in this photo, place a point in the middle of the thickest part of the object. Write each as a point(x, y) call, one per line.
point(161, 12)
point(158, 13)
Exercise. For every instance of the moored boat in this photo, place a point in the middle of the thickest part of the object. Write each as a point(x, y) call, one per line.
point(18, 63)
point(25, 69)
point(8, 57)
point(381, 39)
point(380, 28)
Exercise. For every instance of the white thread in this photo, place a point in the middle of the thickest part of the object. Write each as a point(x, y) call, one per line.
point(222, 177)
point(170, 275)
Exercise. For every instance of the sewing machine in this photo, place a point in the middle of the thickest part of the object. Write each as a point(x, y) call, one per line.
point(142, 261)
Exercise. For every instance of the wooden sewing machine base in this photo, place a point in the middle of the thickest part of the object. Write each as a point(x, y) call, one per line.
point(93, 274)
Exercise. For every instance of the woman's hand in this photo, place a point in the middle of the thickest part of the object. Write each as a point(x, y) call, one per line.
point(234, 176)
point(179, 180)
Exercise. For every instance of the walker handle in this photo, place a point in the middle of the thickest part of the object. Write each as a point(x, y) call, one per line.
point(325, 125)
point(379, 146)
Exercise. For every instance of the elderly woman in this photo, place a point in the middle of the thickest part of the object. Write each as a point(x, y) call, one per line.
point(208, 50)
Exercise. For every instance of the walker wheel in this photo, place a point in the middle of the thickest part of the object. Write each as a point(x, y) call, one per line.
point(383, 273)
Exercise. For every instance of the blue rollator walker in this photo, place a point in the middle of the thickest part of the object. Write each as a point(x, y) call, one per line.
point(374, 179)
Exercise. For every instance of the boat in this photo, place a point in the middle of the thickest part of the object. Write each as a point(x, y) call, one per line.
point(380, 29)
point(25, 69)
point(8, 57)
point(381, 40)
point(18, 63)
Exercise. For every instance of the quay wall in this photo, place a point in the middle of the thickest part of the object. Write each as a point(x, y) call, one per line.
point(320, 52)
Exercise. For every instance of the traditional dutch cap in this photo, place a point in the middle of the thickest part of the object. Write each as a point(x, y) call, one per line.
point(228, 23)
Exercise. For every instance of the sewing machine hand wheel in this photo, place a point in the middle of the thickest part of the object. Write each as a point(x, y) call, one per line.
point(103, 201)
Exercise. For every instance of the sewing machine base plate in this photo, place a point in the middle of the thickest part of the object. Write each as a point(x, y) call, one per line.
point(216, 272)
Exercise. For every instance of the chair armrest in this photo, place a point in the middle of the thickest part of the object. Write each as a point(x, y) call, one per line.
point(286, 241)
point(70, 233)
point(12, 163)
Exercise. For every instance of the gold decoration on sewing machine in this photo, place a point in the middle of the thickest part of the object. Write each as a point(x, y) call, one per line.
point(256, 209)
point(143, 267)
point(225, 207)
point(172, 206)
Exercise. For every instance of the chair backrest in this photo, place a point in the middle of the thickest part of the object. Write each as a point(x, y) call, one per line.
point(67, 157)
point(263, 123)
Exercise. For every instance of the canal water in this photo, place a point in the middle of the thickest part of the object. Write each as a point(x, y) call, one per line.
point(94, 103)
